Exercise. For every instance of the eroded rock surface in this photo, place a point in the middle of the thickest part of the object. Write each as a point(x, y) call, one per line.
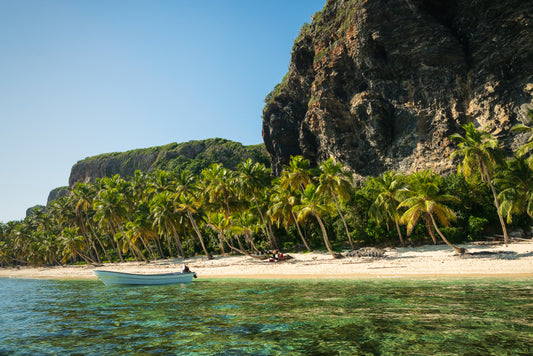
point(381, 84)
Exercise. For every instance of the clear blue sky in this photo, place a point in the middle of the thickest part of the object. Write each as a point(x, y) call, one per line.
point(80, 78)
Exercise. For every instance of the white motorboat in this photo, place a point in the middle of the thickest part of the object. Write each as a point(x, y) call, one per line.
point(121, 278)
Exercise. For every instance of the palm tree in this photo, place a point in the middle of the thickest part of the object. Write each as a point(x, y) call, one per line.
point(425, 201)
point(161, 181)
point(109, 212)
point(481, 153)
point(164, 217)
point(72, 245)
point(62, 212)
point(314, 204)
point(140, 186)
point(517, 184)
point(388, 189)
point(245, 224)
point(186, 182)
point(83, 195)
point(190, 206)
point(218, 223)
point(297, 175)
point(6, 255)
point(528, 146)
point(252, 182)
point(281, 210)
point(219, 186)
point(336, 183)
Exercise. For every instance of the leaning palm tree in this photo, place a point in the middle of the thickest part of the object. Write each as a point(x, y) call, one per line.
point(252, 183)
point(186, 203)
point(281, 210)
point(481, 152)
point(425, 201)
point(109, 212)
point(72, 245)
point(314, 204)
point(218, 223)
point(516, 182)
point(165, 219)
point(336, 183)
point(388, 189)
point(245, 224)
point(83, 195)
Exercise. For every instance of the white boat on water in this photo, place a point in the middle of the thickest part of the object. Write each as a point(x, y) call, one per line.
point(121, 278)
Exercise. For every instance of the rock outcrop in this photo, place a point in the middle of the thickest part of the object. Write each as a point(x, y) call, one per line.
point(192, 155)
point(57, 193)
point(381, 84)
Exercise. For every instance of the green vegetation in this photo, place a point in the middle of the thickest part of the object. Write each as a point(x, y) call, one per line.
point(277, 89)
point(168, 213)
point(527, 148)
point(192, 156)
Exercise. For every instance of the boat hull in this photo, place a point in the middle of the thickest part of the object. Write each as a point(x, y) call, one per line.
point(121, 278)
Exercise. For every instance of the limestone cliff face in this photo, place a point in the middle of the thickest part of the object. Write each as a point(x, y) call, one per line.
point(193, 156)
point(381, 84)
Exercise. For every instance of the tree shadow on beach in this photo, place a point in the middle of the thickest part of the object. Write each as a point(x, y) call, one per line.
point(500, 255)
point(476, 251)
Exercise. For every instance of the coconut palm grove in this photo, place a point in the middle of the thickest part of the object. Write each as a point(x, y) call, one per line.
point(168, 214)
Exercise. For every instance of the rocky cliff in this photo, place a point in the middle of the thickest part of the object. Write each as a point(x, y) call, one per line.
point(381, 84)
point(192, 155)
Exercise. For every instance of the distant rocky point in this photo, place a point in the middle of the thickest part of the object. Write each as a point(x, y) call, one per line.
point(193, 156)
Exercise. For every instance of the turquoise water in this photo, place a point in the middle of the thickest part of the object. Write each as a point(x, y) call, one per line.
point(266, 317)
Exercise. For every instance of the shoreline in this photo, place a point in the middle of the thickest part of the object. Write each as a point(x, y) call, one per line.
point(425, 262)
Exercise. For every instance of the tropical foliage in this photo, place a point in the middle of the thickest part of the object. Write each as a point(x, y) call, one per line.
point(178, 213)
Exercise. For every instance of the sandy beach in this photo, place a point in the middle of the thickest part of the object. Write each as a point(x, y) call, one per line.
point(491, 260)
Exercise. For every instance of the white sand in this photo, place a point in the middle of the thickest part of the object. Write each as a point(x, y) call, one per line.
point(516, 260)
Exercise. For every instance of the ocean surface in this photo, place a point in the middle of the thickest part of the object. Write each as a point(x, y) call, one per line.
point(268, 317)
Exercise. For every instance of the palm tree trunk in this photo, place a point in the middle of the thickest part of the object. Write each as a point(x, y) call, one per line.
point(178, 242)
point(146, 245)
point(220, 235)
point(95, 234)
point(93, 252)
point(457, 249)
point(430, 229)
point(267, 227)
point(251, 242)
point(199, 234)
point(343, 219)
point(399, 232)
point(300, 232)
point(136, 250)
point(85, 258)
point(133, 247)
point(160, 248)
point(497, 205)
point(168, 231)
point(243, 251)
point(114, 243)
point(241, 246)
point(325, 235)
point(221, 238)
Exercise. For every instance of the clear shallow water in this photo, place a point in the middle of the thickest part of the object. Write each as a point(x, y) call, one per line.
point(265, 317)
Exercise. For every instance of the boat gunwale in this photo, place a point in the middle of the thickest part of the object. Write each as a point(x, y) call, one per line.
point(129, 274)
